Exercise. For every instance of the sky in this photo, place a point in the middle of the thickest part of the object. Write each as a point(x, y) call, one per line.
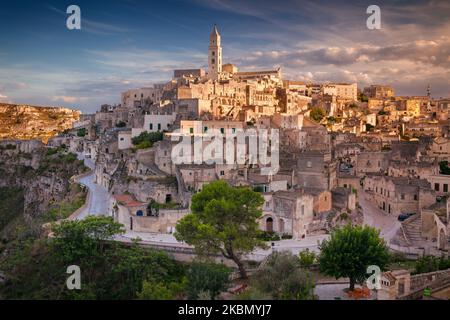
point(126, 44)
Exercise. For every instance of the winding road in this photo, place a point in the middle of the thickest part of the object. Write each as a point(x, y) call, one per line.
point(375, 217)
point(98, 198)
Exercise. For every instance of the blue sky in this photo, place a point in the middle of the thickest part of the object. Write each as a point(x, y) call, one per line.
point(130, 43)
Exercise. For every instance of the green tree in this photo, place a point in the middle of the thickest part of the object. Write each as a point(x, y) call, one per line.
point(158, 290)
point(350, 250)
point(78, 239)
point(81, 132)
point(223, 220)
point(317, 114)
point(207, 277)
point(444, 168)
point(307, 258)
point(282, 278)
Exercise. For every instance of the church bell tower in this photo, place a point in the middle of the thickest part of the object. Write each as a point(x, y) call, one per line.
point(214, 54)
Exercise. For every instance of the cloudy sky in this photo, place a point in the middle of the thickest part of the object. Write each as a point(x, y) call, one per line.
point(131, 43)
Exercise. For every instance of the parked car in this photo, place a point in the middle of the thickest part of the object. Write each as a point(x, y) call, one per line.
point(404, 216)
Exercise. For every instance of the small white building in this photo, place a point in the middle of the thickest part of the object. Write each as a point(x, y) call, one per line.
point(155, 123)
point(124, 140)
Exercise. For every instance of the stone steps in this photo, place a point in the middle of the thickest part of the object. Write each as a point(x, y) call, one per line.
point(413, 230)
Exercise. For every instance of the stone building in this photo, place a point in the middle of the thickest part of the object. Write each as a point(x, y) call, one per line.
point(396, 195)
point(316, 169)
point(287, 212)
point(138, 217)
point(372, 162)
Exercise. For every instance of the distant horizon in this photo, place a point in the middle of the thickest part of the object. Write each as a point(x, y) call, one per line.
point(132, 44)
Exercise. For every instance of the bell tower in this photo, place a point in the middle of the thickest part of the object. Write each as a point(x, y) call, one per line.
point(214, 54)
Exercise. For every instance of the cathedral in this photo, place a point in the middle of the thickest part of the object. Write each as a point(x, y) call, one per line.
point(217, 71)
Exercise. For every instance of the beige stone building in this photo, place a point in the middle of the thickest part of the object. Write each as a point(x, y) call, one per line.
point(397, 195)
point(287, 212)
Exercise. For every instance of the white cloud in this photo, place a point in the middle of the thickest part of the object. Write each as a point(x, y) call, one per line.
point(66, 99)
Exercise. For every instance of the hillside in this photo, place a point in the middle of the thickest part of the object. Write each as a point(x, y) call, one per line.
point(26, 122)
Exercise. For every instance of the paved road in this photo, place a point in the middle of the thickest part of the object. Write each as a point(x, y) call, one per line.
point(294, 246)
point(374, 217)
point(99, 196)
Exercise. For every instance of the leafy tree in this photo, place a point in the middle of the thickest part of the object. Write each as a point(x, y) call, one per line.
point(350, 250)
point(444, 168)
point(110, 269)
point(78, 239)
point(282, 278)
point(317, 114)
point(157, 290)
point(223, 220)
point(307, 258)
point(81, 132)
point(208, 278)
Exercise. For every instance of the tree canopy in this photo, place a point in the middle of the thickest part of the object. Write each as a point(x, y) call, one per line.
point(223, 220)
point(350, 250)
point(282, 278)
point(317, 114)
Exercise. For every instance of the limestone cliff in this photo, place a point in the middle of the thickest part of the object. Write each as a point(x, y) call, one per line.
point(41, 174)
point(30, 122)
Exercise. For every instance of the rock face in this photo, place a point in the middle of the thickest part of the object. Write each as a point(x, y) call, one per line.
point(43, 176)
point(30, 122)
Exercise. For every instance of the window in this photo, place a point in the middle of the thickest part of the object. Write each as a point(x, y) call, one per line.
point(213, 53)
point(222, 130)
point(121, 139)
point(309, 164)
point(303, 210)
point(151, 126)
point(191, 130)
point(205, 129)
point(159, 126)
point(445, 187)
point(436, 186)
point(402, 196)
point(222, 173)
point(415, 197)
point(213, 61)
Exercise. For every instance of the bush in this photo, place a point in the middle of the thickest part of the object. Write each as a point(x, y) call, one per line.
point(81, 132)
point(158, 290)
point(207, 277)
point(282, 278)
point(429, 264)
point(269, 236)
point(317, 114)
point(307, 258)
point(146, 139)
point(444, 168)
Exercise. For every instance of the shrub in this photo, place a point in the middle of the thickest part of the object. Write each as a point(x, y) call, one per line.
point(282, 278)
point(207, 277)
point(307, 258)
point(81, 132)
point(269, 236)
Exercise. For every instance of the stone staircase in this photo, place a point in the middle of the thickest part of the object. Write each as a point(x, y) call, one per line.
point(412, 229)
